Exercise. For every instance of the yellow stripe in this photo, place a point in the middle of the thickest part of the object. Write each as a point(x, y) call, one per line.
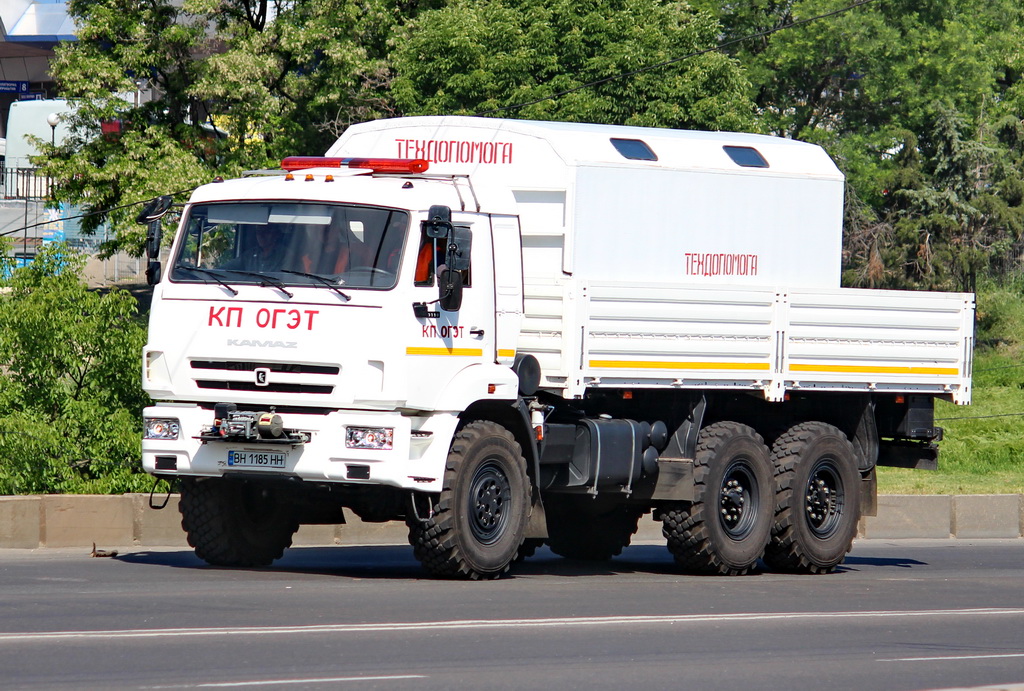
point(861, 369)
point(633, 364)
point(506, 353)
point(470, 352)
point(873, 369)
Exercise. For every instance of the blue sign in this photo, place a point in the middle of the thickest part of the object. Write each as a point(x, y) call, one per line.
point(53, 229)
point(7, 87)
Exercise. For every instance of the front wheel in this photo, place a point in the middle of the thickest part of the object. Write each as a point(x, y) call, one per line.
point(817, 500)
point(477, 523)
point(231, 523)
point(725, 529)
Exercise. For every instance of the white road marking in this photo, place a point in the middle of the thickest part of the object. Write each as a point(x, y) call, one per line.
point(433, 626)
point(288, 682)
point(939, 658)
point(283, 682)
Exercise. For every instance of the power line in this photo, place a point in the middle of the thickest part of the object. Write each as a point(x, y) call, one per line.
point(92, 213)
point(720, 46)
point(979, 417)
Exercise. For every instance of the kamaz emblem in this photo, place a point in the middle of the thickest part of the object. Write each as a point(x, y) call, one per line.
point(262, 376)
point(262, 344)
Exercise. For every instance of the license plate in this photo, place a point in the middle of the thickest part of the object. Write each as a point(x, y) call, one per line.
point(257, 459)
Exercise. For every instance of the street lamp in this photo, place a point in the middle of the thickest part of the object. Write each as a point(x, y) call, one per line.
point(53, 119)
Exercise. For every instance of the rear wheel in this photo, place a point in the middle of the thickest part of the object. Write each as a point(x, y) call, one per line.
point(589, 528)
point(725, 529)
point(817, 500)
point(476, 524)
point(235, 523)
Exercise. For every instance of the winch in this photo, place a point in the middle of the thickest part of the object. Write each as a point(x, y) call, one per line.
point(231, 424)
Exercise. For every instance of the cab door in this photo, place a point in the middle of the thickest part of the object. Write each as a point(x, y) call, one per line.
point(508, 286)
point(443, 342)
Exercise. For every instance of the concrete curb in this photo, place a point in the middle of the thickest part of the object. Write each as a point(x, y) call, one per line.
point(31, 522)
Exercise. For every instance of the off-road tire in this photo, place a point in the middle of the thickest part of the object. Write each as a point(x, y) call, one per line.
point(588, 528)
point(817, 500)
point(232, 523)
point(476, 524)
point(725, 528)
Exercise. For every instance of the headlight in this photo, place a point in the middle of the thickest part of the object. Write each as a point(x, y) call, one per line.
point(162, 428)
point(380, 438)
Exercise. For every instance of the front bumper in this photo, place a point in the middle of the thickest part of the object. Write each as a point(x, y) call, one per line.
point(415, 461)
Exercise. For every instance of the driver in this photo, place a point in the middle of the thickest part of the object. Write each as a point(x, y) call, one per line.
point(263, 255)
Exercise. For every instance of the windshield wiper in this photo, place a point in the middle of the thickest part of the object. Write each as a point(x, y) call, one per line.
point(265, 280)
point(210, 273)
point(322, 279)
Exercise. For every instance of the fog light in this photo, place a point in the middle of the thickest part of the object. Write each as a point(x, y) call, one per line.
point(162, 428)
point(380, 438)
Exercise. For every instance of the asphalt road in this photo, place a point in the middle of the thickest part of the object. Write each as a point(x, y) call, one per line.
point(899, 615)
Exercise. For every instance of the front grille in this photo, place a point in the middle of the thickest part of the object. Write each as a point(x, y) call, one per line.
point(272, 387)
point(277, 382)
point(285, 367)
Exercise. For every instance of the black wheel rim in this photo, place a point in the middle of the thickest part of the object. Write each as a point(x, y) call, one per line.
point(489, 497)
point(825, 499)
point(738, 500)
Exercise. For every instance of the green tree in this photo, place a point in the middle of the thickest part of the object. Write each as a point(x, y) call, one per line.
point(910, 97)
point(145, 149)
point(70, 391)
point(474, 57)
point(238, 84)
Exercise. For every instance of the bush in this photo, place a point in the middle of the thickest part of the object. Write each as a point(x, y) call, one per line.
point(71, 396)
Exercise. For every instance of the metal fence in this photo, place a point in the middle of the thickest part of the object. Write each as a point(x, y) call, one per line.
point(120, 268)
point(24, 183)
point(22, 217)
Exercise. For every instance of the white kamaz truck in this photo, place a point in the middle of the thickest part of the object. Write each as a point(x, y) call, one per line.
point(509, 333)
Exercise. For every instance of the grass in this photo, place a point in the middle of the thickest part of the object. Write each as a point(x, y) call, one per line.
point(982, 451)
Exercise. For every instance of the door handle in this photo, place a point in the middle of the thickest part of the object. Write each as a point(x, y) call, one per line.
point(476, 332)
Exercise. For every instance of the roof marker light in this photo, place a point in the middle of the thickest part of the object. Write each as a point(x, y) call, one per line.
point(377, 165)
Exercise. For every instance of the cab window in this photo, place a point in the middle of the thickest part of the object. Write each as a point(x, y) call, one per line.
point(429, 256)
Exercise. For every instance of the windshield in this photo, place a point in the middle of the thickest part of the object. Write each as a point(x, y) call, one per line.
point(292, 243)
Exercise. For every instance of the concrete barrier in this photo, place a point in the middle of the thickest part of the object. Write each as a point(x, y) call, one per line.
point(71, 520)
point(21, 522)
point(128, 520)
point(907, 516)
point(981, 516)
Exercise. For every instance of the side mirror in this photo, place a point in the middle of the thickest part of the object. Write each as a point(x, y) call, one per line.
point(457, 256)
point(154, 210)
point(151, 215)
point(451, 290)
point(153, 273)
point(439, 223)
point(153, 239)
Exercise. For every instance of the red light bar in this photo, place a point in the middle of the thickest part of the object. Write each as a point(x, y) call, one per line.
point(377, 165)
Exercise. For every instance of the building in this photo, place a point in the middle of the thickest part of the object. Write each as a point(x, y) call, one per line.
point(29, 30)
